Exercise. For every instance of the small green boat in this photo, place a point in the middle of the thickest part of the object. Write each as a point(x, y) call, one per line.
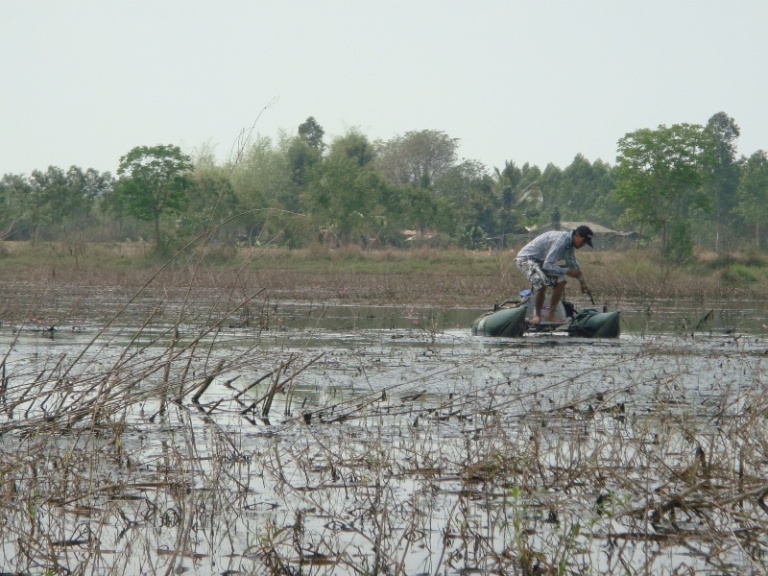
point(508, 322)
point(513, 319)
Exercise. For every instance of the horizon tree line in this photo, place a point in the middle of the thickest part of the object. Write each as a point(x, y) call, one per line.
point(678, 186)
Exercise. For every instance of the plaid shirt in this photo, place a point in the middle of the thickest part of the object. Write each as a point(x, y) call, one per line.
point(548, 249)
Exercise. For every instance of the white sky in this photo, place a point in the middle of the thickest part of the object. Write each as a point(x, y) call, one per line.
point(82, 82)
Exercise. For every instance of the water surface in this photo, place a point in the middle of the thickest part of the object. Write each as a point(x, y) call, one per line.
point(387, 440)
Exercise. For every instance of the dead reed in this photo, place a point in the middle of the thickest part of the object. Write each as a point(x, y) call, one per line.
point(353, 275)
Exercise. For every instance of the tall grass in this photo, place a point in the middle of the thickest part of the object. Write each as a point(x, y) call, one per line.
point(417, 276)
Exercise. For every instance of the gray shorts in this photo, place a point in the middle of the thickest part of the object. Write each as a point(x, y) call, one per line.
point(538, 278)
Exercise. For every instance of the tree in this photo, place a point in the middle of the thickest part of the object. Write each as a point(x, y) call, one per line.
point(211, 203)
point(507, 184)
point(312, 133)
point(72, 204)
point(53, 202)
point(305, 152)
point(264, 187)
point(467, 191)
point(15, 189)
point(725, 172)
point(347, 198)
point(344, 199)
point(418, 158)
point(753, 193)
point(660, 174)
point(38, 209)
point(354, 145)
point(605, 207)
point(152, 182)
point(550, 187)
point(583, 185)
point(529, 198)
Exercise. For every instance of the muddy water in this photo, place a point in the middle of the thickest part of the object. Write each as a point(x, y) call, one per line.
point(638, 317)
point(347, 440)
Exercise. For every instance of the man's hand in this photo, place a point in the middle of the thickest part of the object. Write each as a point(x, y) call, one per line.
point(584, 288)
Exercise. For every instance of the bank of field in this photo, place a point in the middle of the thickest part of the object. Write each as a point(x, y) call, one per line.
point(351, 275)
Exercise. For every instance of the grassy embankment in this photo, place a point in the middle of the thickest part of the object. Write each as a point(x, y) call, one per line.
point(349, 274)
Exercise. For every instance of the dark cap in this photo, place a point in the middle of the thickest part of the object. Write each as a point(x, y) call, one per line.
point(586, 233)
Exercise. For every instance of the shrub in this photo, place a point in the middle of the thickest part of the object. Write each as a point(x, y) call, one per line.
point(738, 274)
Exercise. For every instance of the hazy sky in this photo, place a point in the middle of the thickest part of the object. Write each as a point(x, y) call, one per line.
point(83, 82)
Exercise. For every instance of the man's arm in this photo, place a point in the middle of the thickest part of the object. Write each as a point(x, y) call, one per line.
point(570, 260)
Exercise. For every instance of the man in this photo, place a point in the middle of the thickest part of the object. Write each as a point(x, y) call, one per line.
point(538, 261)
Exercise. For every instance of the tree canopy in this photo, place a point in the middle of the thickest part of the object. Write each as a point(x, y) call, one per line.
point(675, 185)
point(153, 181)
point(659, 176)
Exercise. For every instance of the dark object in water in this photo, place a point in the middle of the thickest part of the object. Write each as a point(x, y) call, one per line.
point(512, 319)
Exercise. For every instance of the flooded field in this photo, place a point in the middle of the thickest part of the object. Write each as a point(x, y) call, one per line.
point(292, 438)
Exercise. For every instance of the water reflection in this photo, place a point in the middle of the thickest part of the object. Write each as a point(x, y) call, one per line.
point(637, 317)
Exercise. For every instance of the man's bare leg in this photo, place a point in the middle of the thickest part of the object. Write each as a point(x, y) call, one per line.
point(538, 305)
point(557, 294)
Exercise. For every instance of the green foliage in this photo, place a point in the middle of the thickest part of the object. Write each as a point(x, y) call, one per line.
point(312, 133)
point(344, 199)
point(417, 158)
point(211, 203)
point(470, 195)
point(473, 237)
point(302, 158)
point(583, 186)
point(284, 228)
point(51, 204)
point(678, 186)
point(305, 153)
point(721, 187)
point(679, 248)
point(15, 190)
point(738, 274)
point(422, 209)
point(153, 182)
point(262, 184)
point(753, 195)
point(353, 145)
point(660, 174)
point(72, 202)
point(549, 186)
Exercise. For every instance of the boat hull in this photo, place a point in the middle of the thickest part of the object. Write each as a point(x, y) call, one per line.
point(592, 323)
point(513, 321)
point(503, 323)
